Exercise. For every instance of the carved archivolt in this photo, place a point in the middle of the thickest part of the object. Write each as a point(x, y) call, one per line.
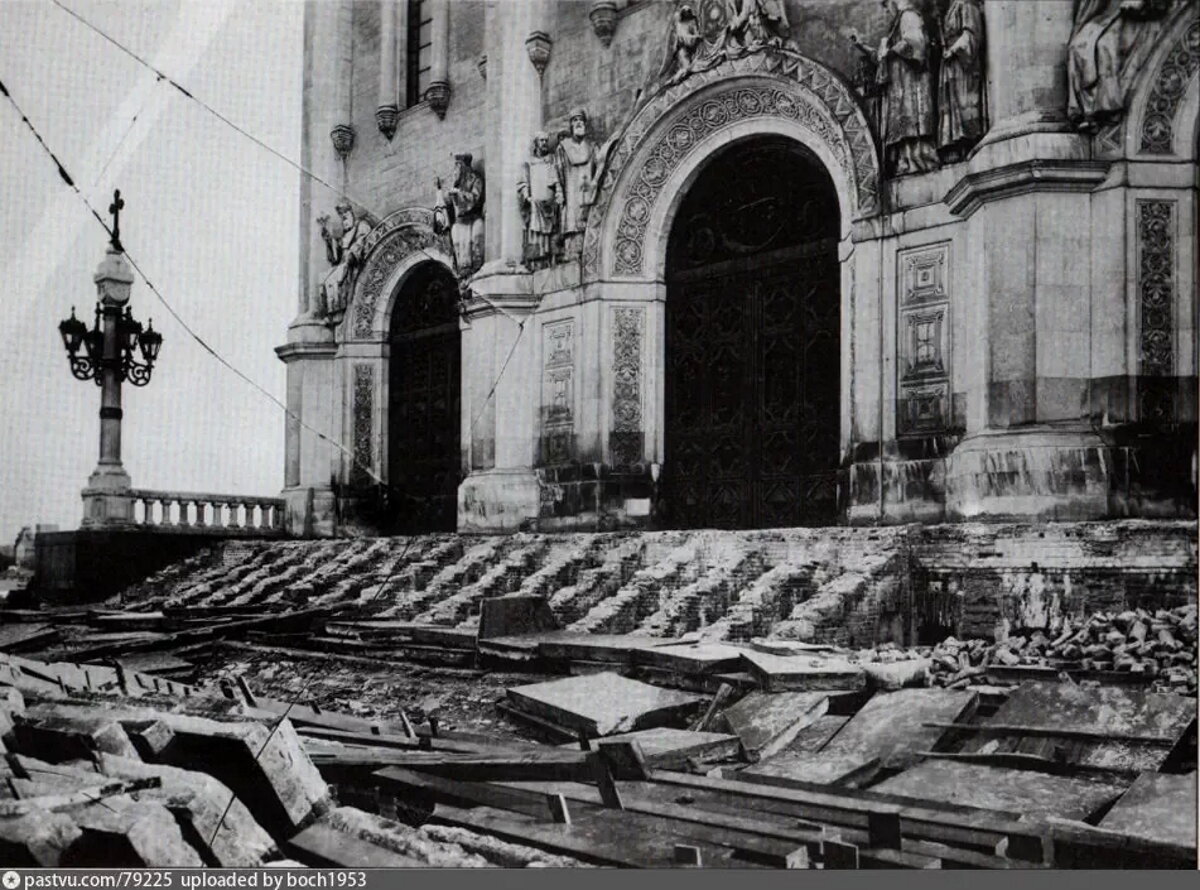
point(391, 243)
point(663, 133)
point(1167, 94)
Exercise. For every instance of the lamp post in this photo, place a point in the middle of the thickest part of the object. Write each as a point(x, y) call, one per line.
point(110, 357)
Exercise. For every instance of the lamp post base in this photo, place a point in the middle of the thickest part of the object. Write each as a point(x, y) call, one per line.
point(106, 500)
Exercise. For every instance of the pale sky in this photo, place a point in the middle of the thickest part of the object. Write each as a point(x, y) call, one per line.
point(210, 217)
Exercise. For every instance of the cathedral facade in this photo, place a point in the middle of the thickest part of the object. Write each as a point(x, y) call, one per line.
point(743, 263)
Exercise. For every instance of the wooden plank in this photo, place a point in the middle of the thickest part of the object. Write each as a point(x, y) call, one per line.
point(666, 748)
point(468, 794)
point(957, 826)
point(320, 846)
point(1049, 732)
point(1111, 710)
point(571, 766)
point(18, 637)
point(604, 704)
point(888, 729)
point(766, 722)
point(616, 844)
point(988, 787)
point(1158, 805)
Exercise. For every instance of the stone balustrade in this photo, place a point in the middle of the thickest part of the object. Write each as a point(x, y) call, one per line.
point(191, 511)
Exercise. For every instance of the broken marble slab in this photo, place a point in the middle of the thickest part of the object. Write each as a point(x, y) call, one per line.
point(1021, 792)
point(605, 703)
point(803, 673)
point(1158, 806)
point(767, 722)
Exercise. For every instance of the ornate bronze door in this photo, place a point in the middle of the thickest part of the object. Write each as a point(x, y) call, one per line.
point(752, 351)
point(423, 418)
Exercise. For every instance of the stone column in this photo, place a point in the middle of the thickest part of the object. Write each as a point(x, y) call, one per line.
point(438, 92)
point(1027, 66)
point(106, 502)
point(388, 107)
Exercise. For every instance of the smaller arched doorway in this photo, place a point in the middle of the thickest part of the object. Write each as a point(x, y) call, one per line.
point(423, 403)
point(752, 342)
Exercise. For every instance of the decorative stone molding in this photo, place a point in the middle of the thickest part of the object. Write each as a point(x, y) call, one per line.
point(538, 45)
point(363, 430)
point(625, 440)
point(1168, 92)
point(438, 97)
point(342, 136)
point(976, 189)
point(385, 118)
point(388, 245)
point(558, 391)
point(662, 133)
point(603, 16)
point(1156, 287)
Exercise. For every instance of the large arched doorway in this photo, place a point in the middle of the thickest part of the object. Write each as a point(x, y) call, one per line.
point(752, 343)
point(423, 402)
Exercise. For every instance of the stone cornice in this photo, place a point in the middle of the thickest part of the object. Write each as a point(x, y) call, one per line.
point(289, 352)
point(1035, 175)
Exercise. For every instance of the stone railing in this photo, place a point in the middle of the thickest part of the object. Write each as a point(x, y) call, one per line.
point(190, 511)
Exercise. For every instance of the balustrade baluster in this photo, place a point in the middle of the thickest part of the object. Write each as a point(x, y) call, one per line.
point(201, 509)
point(183, 503)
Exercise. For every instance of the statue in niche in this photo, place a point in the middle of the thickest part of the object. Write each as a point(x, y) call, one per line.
point(539, 194)
point(1104, 33)
point(961, 89)
point(577, 161)
point(908, 123)
point(684, 43)
point(754, 25)
point(345, 254)
point(460, 210)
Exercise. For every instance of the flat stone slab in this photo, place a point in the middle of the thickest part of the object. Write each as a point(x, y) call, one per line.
point(767, 722)
point(802, 673)
point(690, 658)
point(1021, 792)
point(887, 731)
point(605, 703)
point(1158, 806)
point(612, 648)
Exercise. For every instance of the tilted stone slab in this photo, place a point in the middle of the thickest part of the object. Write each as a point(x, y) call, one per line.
point(1158, 806)
point(766, 722)
point(669, 748)
point(605, 703)
point(59, 737)
point(128, 834)
point(36, 839)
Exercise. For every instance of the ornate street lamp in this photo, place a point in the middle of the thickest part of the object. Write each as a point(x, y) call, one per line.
point(110, 357)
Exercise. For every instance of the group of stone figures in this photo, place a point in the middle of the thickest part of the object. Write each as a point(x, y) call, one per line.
point(925, 89)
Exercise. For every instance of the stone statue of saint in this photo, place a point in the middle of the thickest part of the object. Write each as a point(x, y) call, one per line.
point(908, 123)
point(460, 209)
point(577, 161)
point(345, 254)
point(961, 90)
point(538, 191)
point(684, 43)
point(754, 25)
point(1104, 33)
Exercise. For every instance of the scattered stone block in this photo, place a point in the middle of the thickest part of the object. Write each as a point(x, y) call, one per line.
point(802, 673)
point(201, 802)
point(1158, 806)
point(766, 723)
point(59, 737)
point(888, 677)
point(693, 658)
point(37, 839)
point(605, 703)
point(127, 834)
point(515, 615)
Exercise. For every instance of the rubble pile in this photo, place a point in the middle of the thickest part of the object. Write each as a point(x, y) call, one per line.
point(1157, 648)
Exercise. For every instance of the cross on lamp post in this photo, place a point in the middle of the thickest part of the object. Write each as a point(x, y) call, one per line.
point(110, 357)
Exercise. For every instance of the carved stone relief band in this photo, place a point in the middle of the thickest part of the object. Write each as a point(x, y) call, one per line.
point(1156, 286)
point(1170, 87)
point(390, 243)
point(776, 84)
point(363, 400)
point(625, 441)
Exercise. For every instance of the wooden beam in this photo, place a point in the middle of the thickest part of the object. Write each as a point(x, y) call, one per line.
point(471, 794)
point(1051, 732)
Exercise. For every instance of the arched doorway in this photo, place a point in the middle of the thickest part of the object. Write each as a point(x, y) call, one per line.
point(752, 343)
point(423, 402)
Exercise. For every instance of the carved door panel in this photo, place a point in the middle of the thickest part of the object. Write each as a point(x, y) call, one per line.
point(752, 395)
point(423, 415)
